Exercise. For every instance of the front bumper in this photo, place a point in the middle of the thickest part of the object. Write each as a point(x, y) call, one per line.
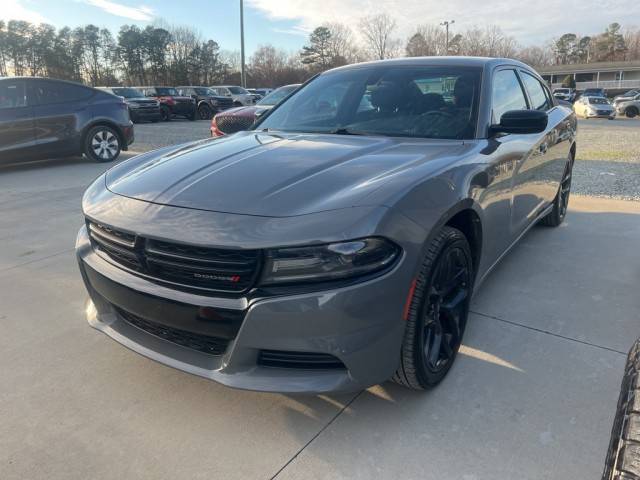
point(145, 114)
point(361, 325)
point(608, 114)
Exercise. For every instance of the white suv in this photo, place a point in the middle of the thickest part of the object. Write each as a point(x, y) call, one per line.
point(239, 95)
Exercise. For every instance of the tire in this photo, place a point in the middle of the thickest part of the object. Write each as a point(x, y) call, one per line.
point(631, 112)
point(165, 113)
point(102, 144)
point(556, 216)
point(205, 112)
point(623, 456)
point(421, 365)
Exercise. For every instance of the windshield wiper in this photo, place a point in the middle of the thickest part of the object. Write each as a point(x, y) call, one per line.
point(344, 131)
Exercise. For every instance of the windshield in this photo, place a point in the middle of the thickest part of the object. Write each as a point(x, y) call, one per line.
point(598, 101)
point(237, 90)
point(390, 100)
point(127, 92)
point(166, 91)
point(277, 95)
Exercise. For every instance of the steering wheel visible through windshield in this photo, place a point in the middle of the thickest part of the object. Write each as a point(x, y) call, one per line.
point(390, 100)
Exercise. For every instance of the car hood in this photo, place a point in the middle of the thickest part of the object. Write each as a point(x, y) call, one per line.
point(248, 111)
point(280, 175)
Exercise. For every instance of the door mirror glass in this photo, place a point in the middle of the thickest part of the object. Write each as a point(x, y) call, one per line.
point(521, 121)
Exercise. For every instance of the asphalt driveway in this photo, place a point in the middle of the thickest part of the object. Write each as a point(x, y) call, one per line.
point(532, 395)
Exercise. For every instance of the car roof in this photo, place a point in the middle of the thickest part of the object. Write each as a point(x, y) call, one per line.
point(457, 61)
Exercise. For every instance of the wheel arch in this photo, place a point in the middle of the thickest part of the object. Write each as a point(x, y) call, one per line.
point(466, 216)
point(104, 123)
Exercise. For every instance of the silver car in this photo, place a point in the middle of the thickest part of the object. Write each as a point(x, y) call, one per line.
point(628, 106)
point(594, 107)
point(337, 244)
point(240, 96)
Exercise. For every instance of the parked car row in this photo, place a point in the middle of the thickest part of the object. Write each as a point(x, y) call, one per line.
point(241, 118)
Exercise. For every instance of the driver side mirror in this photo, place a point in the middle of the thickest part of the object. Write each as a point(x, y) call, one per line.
point(521, 121)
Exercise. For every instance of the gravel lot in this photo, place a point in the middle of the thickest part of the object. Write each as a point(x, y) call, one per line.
point(608, 163)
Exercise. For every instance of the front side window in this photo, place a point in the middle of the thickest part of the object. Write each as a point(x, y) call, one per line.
point(404, 101)
point(12, 94)
point(539, 100)
point(507, 94)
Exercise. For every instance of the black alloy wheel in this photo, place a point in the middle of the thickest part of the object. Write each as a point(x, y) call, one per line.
point(438, 312)
point(445, 309)
point(205, 112)
point(165, 113)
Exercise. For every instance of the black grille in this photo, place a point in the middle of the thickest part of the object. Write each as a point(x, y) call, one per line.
point(182, 265)
point(299, 360)
point(195, 341)
point(233, 123)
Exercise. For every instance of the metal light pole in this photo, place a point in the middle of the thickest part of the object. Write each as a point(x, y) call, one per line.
point(446, 24)
point(243, 78)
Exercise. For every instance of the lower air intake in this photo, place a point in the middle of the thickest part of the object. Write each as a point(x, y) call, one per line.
point(299, 360)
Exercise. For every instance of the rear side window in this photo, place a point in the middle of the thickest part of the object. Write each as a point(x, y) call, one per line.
point(12, 94)
point(539, 100)
point(49, 93)
point(507, 94)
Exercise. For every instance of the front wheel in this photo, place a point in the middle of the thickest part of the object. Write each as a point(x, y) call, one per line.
point(556, 216)
point(205, 112)
point(438, 311)
point(102, 144)
point(165, 113)
point(631, 112)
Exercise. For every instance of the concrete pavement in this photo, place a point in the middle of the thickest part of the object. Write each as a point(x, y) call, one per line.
point(532, 395)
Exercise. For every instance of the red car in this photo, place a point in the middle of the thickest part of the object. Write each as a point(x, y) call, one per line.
point(241, 118)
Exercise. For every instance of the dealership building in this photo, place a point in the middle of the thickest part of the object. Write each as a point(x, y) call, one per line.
point(608, 75)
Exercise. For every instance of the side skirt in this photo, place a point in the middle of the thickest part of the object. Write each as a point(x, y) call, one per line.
point(479, 282)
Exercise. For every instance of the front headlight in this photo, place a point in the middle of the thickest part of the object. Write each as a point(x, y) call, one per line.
point(334, 261)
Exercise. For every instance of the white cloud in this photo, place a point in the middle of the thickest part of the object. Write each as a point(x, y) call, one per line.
point(528, 21)
point(141, 13)
point(16, 10)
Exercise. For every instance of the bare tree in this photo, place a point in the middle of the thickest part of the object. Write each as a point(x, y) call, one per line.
point(428, 40)
point(535, 56)
point(342, 44)
point(377, 31)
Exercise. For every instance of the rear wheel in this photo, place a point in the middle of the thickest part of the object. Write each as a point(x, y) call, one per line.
point(102, 144)
point(438, 312)
point(623, 456)
point(556, 216)
point(631, 112)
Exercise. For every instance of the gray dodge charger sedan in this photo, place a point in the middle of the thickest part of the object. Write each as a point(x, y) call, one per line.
point(337, 244)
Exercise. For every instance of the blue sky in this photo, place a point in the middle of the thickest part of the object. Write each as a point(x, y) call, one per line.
point(286, 23)
point(216, 19)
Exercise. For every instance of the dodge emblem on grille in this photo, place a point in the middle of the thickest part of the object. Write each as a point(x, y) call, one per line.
point(224, 278)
